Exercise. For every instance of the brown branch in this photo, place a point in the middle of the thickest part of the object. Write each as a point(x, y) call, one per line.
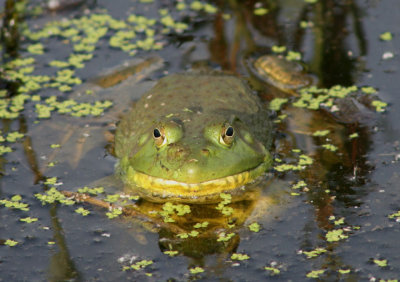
point(126, 211)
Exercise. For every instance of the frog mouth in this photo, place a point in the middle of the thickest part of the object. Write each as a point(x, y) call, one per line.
point(151, 186)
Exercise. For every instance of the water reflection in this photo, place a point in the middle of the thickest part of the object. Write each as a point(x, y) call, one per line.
point(334, 178)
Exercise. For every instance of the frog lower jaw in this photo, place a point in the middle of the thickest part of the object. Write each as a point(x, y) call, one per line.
point(151, 187)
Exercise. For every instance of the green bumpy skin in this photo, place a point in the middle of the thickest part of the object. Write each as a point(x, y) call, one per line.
point(192, 137)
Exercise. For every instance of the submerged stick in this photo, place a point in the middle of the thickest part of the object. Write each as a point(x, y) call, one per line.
point(126, 211)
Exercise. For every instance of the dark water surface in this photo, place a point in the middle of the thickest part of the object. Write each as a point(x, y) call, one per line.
point(356, 186)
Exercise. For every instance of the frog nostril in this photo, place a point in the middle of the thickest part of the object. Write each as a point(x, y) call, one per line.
point(205, 152)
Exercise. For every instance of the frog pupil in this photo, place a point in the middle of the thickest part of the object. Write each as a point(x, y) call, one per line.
point(157, 133)
point(229, 131)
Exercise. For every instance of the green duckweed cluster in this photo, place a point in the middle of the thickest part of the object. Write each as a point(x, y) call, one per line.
point(91, 191)
point(276, 103)
point(82, 35)
point(272, 270)
point(395, 216)
point(386, 36)
point(52, 196)
point(171, 253)
point(320, 133)
point(254, 227)
point(112, 198)
point(315, 273)
point(113, 213)
point(206, 7)
point(303, 162)
point(11, 243)
point(82, 211)
point(226, 200)
point(290, 55)
point(238, 256)
point(225, 237)
point(381, 262)
point(260, 11)
point(15, 203)
point(203, 224)
point(335, 235)
point(71, 107)
point(170, 209)
point(196, 270)
point(186, 235)
point(314, 253)
point(28, 219)
point(138, 265)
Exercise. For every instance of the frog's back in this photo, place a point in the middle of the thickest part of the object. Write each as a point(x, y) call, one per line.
point(196, 99)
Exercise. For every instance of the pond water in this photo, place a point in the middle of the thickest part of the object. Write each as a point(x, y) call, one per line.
point(343, 223)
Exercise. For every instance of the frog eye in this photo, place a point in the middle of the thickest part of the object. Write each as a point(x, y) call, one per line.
point(159, 137)
point(227, 135)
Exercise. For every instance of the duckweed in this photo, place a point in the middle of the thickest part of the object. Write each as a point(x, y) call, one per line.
point(201, 225)
point(330, 147)
point(277, 103)
point(395, 216)
point(50, 181)
point(223, 237)
point(386, 36)
point(15, 203)
point(36, 49)
point(14, 136)
point(92, 191)
point(379, 106)
point(113, 213)
point(53, 195)
point(5, 149)
point(381, 262)
point(255, 227)
point(340, 221)
point(11, 243)
point(344, 271)
point(196, 270)
point(315, 273)
point(305, 160)
point(368, 90)
point(314, 253)
point(273, 270)
point(320, 133)
point(335, 235)
point(138, 265)
point(196, 5)
point(278, 49)
point(354, 135)
point(299, 184)
point(306, 24)
point(171, 253)
point(238, 256)
point(293, 56)
point(226, 199)
point(28, 219)
point(192, 233)
point(312, 97)
point(82, 211)
point(170, 209)
point(260, 11)
point(112, 198)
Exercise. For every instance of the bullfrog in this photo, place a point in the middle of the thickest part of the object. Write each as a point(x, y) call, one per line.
point(192, 137)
